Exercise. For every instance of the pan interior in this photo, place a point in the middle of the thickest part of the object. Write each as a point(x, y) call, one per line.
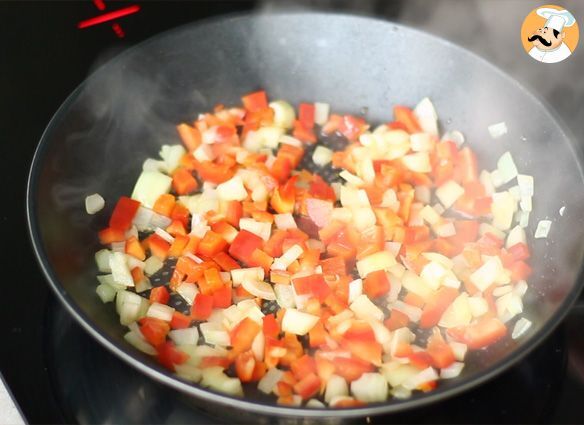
point(128, 108)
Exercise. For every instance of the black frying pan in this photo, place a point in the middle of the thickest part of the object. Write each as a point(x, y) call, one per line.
point(99, 138)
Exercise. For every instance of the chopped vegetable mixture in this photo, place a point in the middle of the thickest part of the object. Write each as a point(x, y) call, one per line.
point(234, 265)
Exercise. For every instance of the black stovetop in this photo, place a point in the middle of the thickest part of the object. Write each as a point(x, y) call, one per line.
point(59, 374)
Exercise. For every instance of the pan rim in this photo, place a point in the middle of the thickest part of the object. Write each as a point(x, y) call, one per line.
point(161, 375)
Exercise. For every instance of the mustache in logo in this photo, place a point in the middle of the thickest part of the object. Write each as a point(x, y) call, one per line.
point(541, 40)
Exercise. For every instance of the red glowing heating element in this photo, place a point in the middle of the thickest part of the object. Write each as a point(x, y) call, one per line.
point(109, 16)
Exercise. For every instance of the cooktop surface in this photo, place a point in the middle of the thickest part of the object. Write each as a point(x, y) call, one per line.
point(58, 374)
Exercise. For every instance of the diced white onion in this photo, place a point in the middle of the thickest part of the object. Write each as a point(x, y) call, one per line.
point(259, 289)
point(232, 190)
point(454, 136)
point(284, 295)
point(139, 343)
point(259, 228)
point(298, 322)
point(543, 229)
point(149, 186)
point(365, 309)
point(251, 273)
point(106, 293)
point(285, 221)
point(102, 258)
point(381, 260)
point(152, 265)
point(506, 167)
point(497, 130)
point(164, 235)
point(449, 192)
point(351, 178)
point(521, 326)
point(94, 203)
point(459, 349)
point(355, 289)
point(418, 162)
point(322, 156)
point(188, 336)
point(321, 112)
point(120, 270)
point(291, 255)
point(427, 116)
point(370, 388)
point(188, 291)
point(426, 375)
point(160, 311)
point(284, 114)
point(269, 380)
point(451, 371)
point(215, 334)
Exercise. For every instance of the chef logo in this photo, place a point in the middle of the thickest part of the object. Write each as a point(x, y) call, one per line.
point(549, 34)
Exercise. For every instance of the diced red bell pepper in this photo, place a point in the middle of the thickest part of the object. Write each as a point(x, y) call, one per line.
point(181, 213)
point(313, 284)
point(306, 114)
point(351, 127)
point(436, 306)
point(466, 168)
point(270, 326)
point(260, 259)
point(124, 213)
point(466, 230)
point(202, 307)
point(244, 366)
point(352, 368)
point(134, 248)
point(420, 359)
point(320, 189)
point(441, 353)
point(376, 284)
point(211, 244)
point(233, 211)
point(222, 297)
point(520, 270)
point(317, 335)
point(169, 355)
point(405, 115)
point(243, 334)
point(519, 251)
point(303, 133)
point(274, 350)
point(154, 330)
point(159, 295)
point(183, 182)
point(190, 136)
point(396, 320)
point(305, 365)
point(293, 154)
point(110, 235)
point(214, 361)
point(255, 101)
point(334, 266)
point(244, 245)
point(284, 197)
point(178, 245)
point(180, 321)
point(308, 386)
point(485, 332)
point(215, 173)
point(360, 331)
point(369, 351)
point(158, 246)
point(225, 261)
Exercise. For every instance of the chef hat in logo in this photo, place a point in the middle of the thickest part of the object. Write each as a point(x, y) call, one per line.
point(556, 19)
